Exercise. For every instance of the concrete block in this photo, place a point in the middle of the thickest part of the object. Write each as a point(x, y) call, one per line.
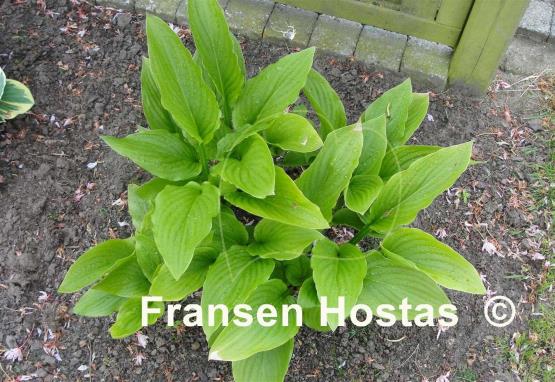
point(381, 48)
point(427, 63)
point(128, 5)
point(524, 58)
point(290, 24)
point(182, 15)
point(335, 36)
point(165, 9)
point(537, 20)
point(551, 38)
point(248, 17)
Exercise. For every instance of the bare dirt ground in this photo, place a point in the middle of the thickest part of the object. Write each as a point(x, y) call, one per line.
point(62, 190)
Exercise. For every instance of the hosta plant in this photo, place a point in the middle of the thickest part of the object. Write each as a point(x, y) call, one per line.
point(15, 98)
point(246, 193)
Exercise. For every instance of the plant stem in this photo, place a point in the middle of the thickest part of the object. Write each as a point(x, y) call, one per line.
point(203, 161)
point(360, 234)
point(364, 231)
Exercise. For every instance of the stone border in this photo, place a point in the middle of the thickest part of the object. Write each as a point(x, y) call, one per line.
point(533, 49)
point(426, 62)
point(538, 23)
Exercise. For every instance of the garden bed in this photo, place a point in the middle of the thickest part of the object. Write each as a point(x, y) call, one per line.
point(62, 190)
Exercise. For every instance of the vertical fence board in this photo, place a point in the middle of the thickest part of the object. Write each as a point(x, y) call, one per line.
point(454, 12)
point(485, 38)
point(427, 9)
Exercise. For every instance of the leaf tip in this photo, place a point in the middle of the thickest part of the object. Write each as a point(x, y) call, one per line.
point(479, 289)
point(64, 289)
point(176, 273)
point(408, 83)
point(114, 333)
point(107, 138)
point(214, 356)
point(150, 17)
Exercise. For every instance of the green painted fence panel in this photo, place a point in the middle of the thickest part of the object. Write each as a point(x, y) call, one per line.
point(479, 30)
point(383, 17)
point(454, 12)
point(427, 9)
point(487, 34)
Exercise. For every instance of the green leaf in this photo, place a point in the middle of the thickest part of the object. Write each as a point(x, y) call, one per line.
point(267, 366)
point(439, 261)
point(183, 91)
point(293, 159)
point(236, 343)
point(250, 167)
point(176, 290)
point(128, 320)
point(297, 270)
point(182, 218)
point(232, 139)
point(401, 157)
point(308, 300)
point(156, 116)
point(230, 280)
point(280, 241)
point(228, 231)
point(148, 257)
point(239, 54)
point(96, 303)
point(413, 189)
point(16, 99)
point(294, 133)
point(159, 152)
point(389, 282)
point(288, 205)
point(331, 171)
point(141, 198)
point(394, 103)
point(2, 82)
point(94, 263)
point(300, 110)
point(418, 109)
point(347, 217)
point(374, 146)
point(126, 279)
point(325, 102)
point(216, 49)
point(362, 191)
point(338, 271)
point(273, 89)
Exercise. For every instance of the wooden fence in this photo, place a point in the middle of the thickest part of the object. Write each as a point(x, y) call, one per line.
point(478, 30)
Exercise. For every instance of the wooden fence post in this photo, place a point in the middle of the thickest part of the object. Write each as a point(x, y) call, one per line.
point(485, 38)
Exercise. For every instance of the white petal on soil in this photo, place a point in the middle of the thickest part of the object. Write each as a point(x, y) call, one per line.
point(43, 296)
point(141, 338)
point(490, 248)
point(13, 355)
